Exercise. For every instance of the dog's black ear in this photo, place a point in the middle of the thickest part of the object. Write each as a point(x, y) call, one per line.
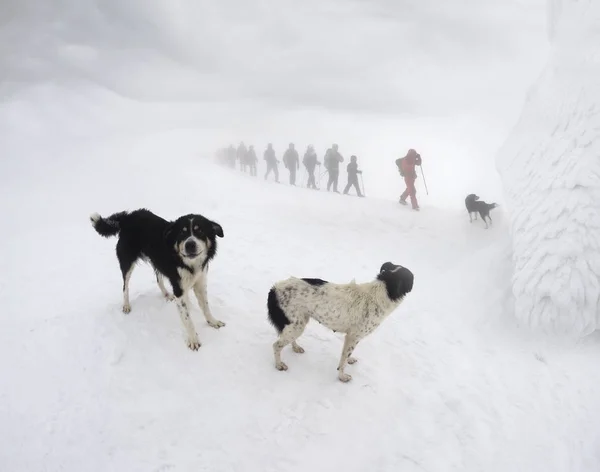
point(386, 266)
point(218, 229)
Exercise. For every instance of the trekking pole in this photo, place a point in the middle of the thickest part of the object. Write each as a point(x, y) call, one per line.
point(363, 185)
point(424, 181)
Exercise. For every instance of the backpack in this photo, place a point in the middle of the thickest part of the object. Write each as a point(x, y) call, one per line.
point(399, 164)
point(327, 159)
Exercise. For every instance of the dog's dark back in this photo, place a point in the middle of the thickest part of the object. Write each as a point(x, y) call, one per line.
point(144, 234)
point(484, 208)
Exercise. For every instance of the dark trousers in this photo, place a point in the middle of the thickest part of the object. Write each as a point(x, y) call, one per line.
point(272, 167)
point(293, 176)
point(311, 178)
point(353, 181)
point(333, 179)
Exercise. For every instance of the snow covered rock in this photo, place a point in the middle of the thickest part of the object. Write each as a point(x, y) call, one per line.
point(550, 167)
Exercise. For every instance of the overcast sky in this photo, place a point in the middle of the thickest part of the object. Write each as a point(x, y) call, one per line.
point(382, 56)
point(377, 56)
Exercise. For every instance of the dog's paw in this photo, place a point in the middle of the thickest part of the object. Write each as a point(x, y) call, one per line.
point(281, 366)
point(126, 308)
point(193, 343)
point(298, 349)
point(169, 297)
point(216, 323)
point(352, 360)
point(345, 377)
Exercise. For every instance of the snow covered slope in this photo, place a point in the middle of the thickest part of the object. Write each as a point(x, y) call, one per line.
point(88, 123)
point(551, 172)
point(444, 384)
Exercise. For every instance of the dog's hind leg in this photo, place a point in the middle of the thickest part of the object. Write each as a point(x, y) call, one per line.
point(126, 262)
point(350, 342)
point(289, 335)
point(484, 220)
point(202, 296)
point(126, 277)
point(301, 325)
point(161, 284)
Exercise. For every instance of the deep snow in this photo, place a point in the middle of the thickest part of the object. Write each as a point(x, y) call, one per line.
point(446, 383)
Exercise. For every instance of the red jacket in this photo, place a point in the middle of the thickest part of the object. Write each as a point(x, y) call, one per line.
point(409, 162)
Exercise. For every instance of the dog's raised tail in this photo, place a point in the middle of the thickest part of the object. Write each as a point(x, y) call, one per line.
point(107, 226)
point(276, 314)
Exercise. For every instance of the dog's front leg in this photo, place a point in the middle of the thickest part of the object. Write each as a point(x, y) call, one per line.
point(184, 313)
point(350, 342)
point(161, 286)
point(201, 295)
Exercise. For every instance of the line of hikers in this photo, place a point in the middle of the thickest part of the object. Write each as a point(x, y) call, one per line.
point(248, 160)
point(291, 160)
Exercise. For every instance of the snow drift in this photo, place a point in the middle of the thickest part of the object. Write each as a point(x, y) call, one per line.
point(550, 167)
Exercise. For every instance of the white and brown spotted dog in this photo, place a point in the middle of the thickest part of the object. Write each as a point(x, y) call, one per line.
point(353, 309)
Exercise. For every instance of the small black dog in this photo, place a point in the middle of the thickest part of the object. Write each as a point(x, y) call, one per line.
point(474, 205)
point(179, 251)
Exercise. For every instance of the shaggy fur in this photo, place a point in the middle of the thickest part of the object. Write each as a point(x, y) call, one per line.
point(474, 206)
point(179, 251)
point(353, 309)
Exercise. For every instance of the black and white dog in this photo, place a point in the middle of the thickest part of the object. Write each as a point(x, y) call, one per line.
point(353, 309)
point(474, 206)
point(179, 251)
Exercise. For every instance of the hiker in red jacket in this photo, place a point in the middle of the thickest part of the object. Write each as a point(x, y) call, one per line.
point(406, 166)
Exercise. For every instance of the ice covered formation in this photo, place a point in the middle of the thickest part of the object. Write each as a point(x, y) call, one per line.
point(550, 167)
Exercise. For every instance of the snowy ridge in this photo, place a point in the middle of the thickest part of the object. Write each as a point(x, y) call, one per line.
point(551, 172)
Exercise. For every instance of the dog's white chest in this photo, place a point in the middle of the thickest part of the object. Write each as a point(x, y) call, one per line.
point(188, 279)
